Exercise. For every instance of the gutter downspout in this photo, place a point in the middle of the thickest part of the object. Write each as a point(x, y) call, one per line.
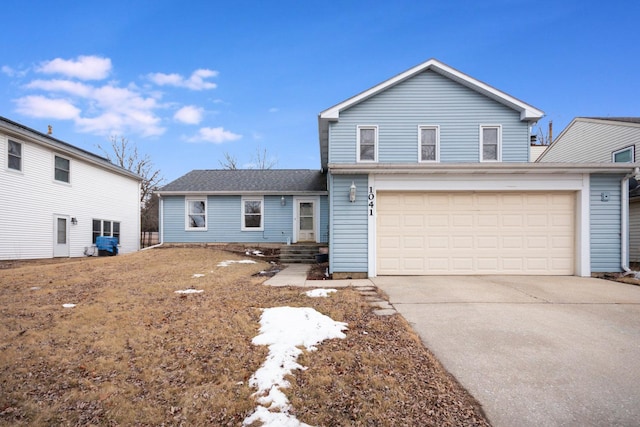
point(160, 225)
point(624, 221)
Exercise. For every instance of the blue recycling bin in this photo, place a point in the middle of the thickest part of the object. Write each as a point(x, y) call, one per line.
point(107, 246)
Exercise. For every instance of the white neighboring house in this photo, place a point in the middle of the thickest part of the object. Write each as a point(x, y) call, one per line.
point(602, 140)
point(57, 198)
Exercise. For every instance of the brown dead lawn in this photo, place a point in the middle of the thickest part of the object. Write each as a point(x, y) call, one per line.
point(133, 352)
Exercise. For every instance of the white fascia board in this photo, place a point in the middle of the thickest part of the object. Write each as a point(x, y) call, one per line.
point(482, 168)
point(241, 193)
point(527, 112)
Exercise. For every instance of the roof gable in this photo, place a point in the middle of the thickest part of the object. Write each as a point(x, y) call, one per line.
point(527, 112)
point(248, 181)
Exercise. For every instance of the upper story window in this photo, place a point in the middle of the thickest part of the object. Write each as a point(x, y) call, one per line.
point(626, 155)
point(429, 143)
point(252, 215)
point(62, 169)
point(196, 214)
point(14, 160)
point(367, 143)
point(490, 143)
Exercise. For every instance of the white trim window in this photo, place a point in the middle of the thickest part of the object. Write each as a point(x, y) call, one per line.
point(62, 169)
point(196, 214)
point(429, 143)
point(490, 143)
point(625, 155)
point(252, 214)
point(367, 144)
point(105, 228)
point(14, 155)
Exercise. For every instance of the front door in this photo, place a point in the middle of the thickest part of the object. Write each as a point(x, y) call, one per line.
point(60, 236)
point(306, 221)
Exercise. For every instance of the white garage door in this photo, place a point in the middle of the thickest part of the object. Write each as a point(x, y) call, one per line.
point(475, 233)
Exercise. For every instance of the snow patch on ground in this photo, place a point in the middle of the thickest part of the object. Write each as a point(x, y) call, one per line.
point(284, 330)
point(256, 253)
point(190, 291)
point(198, 275)
point(229, 262)
point(320, 293)
point(68, 305)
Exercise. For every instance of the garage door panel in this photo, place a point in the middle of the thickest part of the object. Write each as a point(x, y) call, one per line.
point(475, 233)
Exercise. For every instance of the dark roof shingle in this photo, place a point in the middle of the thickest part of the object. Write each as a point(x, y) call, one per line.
point(249, 180)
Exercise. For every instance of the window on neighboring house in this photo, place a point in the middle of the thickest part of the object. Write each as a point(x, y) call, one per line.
point(429, 143)
point(105, 228)
point(367, 143)
point(14, 160)
point(196, 214)
point(62, 169)
point(252, 215)
point(490, 144)
point(626, 155)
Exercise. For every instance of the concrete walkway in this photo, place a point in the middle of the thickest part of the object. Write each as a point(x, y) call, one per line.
point(296, 275)
point(534, 351)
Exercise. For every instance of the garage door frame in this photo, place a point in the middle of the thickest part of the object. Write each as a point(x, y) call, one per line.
point(578, 182)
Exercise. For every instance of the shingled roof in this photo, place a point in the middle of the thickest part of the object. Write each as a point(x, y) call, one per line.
point(243, 181)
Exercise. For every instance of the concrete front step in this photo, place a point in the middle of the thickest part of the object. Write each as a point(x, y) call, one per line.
point(299, 253)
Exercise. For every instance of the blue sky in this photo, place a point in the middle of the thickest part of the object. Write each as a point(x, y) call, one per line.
point(187, 81)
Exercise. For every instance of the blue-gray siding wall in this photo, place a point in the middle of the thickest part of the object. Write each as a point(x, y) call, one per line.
point(349, 224)
point(224, 221)
point(429, 99)
point(605, 223)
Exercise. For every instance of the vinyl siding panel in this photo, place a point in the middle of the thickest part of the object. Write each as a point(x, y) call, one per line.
point(429, 99)
point(589, 141)
point(349, 224)
point(32, 197)
point(224, 216)
point(605, 223)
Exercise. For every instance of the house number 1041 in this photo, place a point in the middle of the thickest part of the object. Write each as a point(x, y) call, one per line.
point(371, 198)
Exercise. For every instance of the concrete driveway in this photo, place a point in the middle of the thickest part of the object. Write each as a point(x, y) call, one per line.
point(534, 351)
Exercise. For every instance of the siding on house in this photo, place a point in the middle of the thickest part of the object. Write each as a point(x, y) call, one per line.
point(592, 140)
point(605, 223)
point(349, 225)
point(429, 99)
point(224, 216)
point(634, 231)
point(31, 197)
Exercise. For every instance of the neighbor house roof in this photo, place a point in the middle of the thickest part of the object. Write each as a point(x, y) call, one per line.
point(527, 112)
point(248, 181)
point(615, 119)
point(19, 131)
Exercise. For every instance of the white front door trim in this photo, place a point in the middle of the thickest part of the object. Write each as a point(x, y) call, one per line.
point(316, 216)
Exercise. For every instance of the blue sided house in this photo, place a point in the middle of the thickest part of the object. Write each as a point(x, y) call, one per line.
point(426, 173)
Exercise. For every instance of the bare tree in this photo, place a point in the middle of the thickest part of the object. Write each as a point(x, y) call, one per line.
point(543, 138)
point(261, 159)
point(229, 162)
point(125, 154)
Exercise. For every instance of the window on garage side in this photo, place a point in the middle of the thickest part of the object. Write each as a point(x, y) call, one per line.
point(429, 143)
point(490, 143)
point(196, 214)
point(626, 155)
point(14, 160)
point(367, 143)
point(252, 214)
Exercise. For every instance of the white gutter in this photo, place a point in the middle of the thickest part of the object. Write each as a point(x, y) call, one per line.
point(624, 221)
point(160, 225)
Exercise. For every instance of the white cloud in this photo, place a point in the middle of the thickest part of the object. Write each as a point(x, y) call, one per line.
point(68, 86)
point(189, 114)
point(195, 82)
point(42, 107)
point(5, 69)
point(83, 68)
point(216, 135)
